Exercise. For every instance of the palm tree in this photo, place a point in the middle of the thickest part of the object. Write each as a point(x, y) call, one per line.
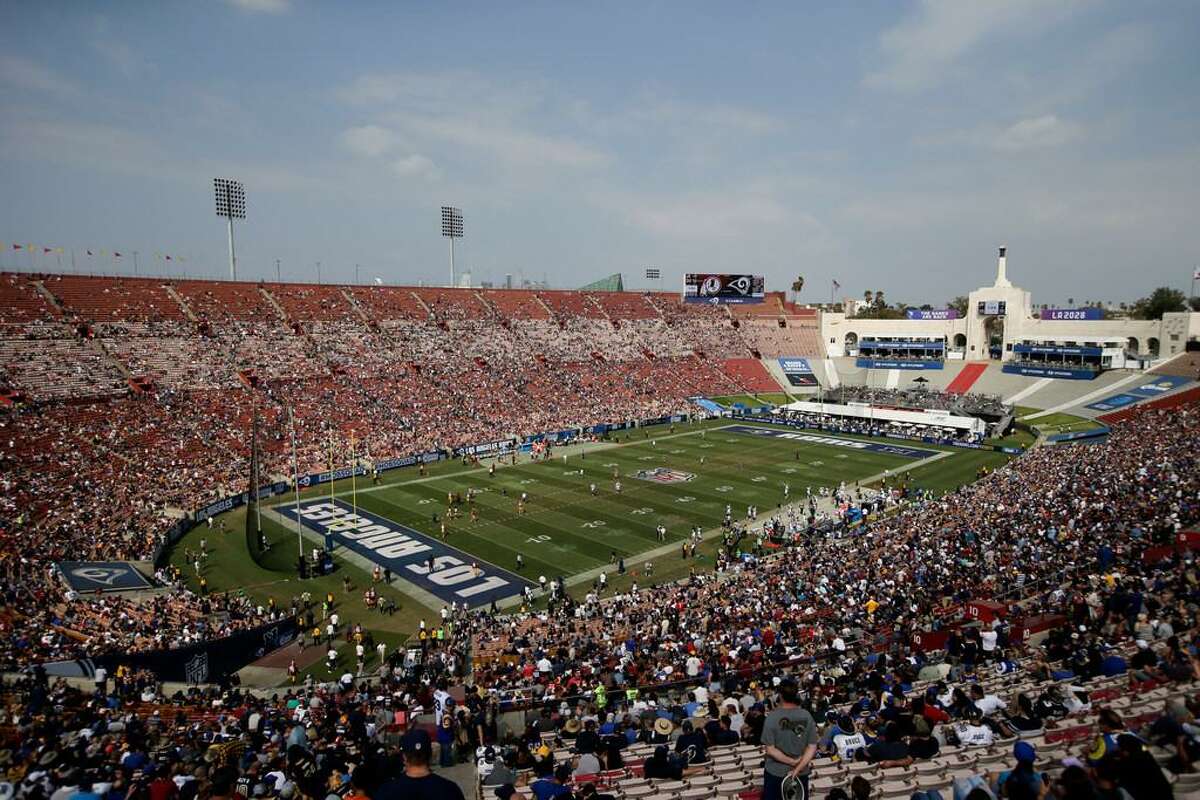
point(1071, 302)
point(797, 287)
point(879, 303)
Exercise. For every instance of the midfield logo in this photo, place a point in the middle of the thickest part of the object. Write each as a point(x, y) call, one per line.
point(665, 475)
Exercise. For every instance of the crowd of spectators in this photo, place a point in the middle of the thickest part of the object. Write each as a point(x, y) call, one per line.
point(94, 470)
point(869, 426)
point(1060, 531)
point(660, 682)
point(920, 399)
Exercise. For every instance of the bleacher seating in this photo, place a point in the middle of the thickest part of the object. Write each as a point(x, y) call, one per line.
point(112, 300)
point(750, 375)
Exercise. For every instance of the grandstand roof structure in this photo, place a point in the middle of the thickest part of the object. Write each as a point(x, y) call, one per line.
point(612, 283)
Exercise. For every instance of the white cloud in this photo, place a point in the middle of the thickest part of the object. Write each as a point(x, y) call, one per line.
point(21, 73)
point(506, 122)
point(261, 6)
point(930, 42)
point(509, 144)
point(370, 141)
point(415, 166)
point(1035, 133)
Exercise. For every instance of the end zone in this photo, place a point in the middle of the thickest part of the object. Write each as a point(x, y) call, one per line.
point(407, 552)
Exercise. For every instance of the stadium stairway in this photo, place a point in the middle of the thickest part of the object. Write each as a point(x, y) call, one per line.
point(183, 305)
point(966, 378)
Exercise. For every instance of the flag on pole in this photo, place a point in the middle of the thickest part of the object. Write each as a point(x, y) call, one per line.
point(90, 253)
point(16, 246)
point(1196, 274)
point(116, 254)
point(47, 249)
point(836, 285)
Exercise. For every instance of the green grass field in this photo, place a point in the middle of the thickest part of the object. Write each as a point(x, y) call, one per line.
point(566, 530)
point(752, 400)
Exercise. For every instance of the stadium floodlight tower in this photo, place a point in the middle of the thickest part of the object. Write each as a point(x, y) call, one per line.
point(231, 204)
point(452, 228)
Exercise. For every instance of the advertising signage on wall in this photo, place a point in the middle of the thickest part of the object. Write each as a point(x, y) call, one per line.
point(992, 308)
point(723, 288)
point(1073, 313)
point(932, 314)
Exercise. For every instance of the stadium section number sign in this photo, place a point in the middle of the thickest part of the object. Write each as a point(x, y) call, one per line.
point(407, 553)
point(723, 288)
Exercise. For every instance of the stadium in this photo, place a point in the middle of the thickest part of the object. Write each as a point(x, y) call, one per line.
point(379, 539)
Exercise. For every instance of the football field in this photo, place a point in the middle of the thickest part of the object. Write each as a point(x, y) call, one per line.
point(688, 477)
point(574, 518)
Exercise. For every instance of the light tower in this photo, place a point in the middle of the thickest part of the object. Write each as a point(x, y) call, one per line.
point(231, 204)
point(452, 228)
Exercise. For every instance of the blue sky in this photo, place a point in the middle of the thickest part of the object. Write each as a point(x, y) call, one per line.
point(888, 145)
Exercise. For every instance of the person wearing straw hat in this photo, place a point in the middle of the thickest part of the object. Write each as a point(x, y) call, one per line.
point(663, 728)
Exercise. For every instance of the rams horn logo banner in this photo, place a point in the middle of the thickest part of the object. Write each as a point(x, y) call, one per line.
point(102, 576)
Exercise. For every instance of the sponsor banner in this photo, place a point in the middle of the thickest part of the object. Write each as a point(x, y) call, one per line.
point(327, 476)
point(408, 461)
point(1114, 402)
point(798, 371)
point(797, 365)
point(1053, 350)
point(102, 576)
point(407, 553)
point(1159, 386)
point(221, 506)
point(1072, 313)
point(205, 662)
point(1051, 372)
point(723, 288)
point(887, 363)
point(896, 344)
point(853, 444)
point(932, 314)
point(485, 448)
point(1076, 436)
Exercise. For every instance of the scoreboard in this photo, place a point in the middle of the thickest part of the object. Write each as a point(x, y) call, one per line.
point(723, 288)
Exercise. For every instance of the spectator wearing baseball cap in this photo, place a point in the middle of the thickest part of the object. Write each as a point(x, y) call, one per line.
point(418, 782)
